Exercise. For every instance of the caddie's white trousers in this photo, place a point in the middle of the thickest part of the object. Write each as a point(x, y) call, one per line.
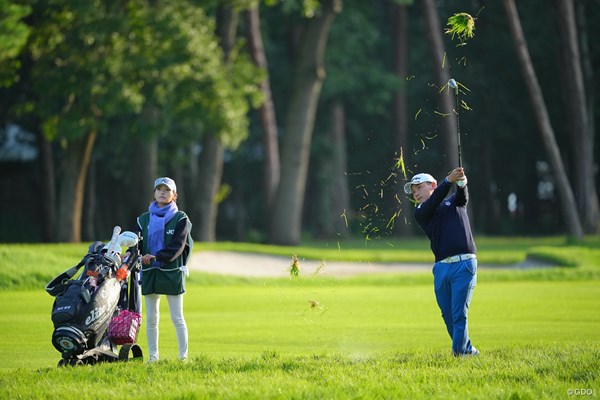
point(153, 317)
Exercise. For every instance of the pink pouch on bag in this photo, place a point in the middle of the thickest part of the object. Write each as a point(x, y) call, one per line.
point(123, 328)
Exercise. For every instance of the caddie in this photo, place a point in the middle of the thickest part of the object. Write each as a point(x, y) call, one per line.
point(166, 247)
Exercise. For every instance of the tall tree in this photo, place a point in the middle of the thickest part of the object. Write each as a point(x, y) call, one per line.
point(356, 99)
point(236, 90)
point(13, 37)
point(435, 38)
point(308, 77)
point(268, 119)
point(567, 200)
point(72, 188)
point(91, 66)
point(211, 158)
point(400, 99)
point(587, 65)
point(332, 192)
point(209, 180)
point(48, 189)
point(582, 138)
point(72, 82)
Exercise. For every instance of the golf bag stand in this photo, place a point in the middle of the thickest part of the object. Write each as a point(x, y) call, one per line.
point(100, 309)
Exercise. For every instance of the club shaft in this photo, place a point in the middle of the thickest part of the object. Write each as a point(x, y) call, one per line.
point(458, 128)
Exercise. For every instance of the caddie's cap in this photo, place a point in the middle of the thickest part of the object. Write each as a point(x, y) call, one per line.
point(170, 183)
point(417, 179)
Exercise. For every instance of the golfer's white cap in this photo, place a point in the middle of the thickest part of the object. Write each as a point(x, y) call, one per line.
point(168, 182)
point(419, 178)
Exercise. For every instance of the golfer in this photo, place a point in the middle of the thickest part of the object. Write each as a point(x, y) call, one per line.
point(446, 223)
point(164, 247)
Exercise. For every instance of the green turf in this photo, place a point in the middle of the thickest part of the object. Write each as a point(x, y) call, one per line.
point(531, 372)
point(366, 337)
point(359, 320)
point(538, 339)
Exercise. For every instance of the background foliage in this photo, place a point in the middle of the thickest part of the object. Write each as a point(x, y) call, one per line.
point(159, 73)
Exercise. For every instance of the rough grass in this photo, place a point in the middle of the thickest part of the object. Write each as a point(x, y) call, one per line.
point(530, 372)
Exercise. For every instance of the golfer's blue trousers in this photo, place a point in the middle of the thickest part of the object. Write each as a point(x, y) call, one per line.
point(454, 284)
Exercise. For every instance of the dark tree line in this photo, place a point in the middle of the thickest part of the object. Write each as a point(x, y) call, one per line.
point(279, 119)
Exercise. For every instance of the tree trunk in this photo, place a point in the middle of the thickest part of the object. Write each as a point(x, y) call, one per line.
point(340, 199)
point(332, 188)
point(565, 193)
point(209, 181)
point(442, 76)
point(586, 64)
point(88, 230)
point(577, 116)
point(211, 159)
point(588, 69)
point(400, 106)
point(401, 70)
point(308, 79)
point(588, 78)
point(48, 195)
point(72, 188)
point(268, 120)
point(144, 171)
point(135, 182)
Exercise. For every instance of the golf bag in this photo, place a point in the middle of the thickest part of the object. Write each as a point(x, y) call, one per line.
point(101, 308)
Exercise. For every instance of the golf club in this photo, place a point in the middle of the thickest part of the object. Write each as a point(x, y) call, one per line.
point(452, 83)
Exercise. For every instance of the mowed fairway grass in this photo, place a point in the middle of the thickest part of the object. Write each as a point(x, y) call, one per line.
point(326, 338)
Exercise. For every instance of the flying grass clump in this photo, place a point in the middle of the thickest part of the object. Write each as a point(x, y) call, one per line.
point(295, 267)
point(400, 163)
point(462, 26)
point(315, 305)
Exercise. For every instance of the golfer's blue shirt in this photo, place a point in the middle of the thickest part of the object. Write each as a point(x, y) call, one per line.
point(446, 223)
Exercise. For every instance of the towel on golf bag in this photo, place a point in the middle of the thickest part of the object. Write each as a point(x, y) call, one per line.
point(124, 327)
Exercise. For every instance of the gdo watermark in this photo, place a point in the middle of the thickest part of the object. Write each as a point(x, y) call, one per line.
point(580, 392)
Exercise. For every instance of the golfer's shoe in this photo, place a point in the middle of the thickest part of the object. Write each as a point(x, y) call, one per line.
point(474, 353)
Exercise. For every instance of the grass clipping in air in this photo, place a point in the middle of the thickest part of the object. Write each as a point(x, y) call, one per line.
point(295, 267)
point(461, 25)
